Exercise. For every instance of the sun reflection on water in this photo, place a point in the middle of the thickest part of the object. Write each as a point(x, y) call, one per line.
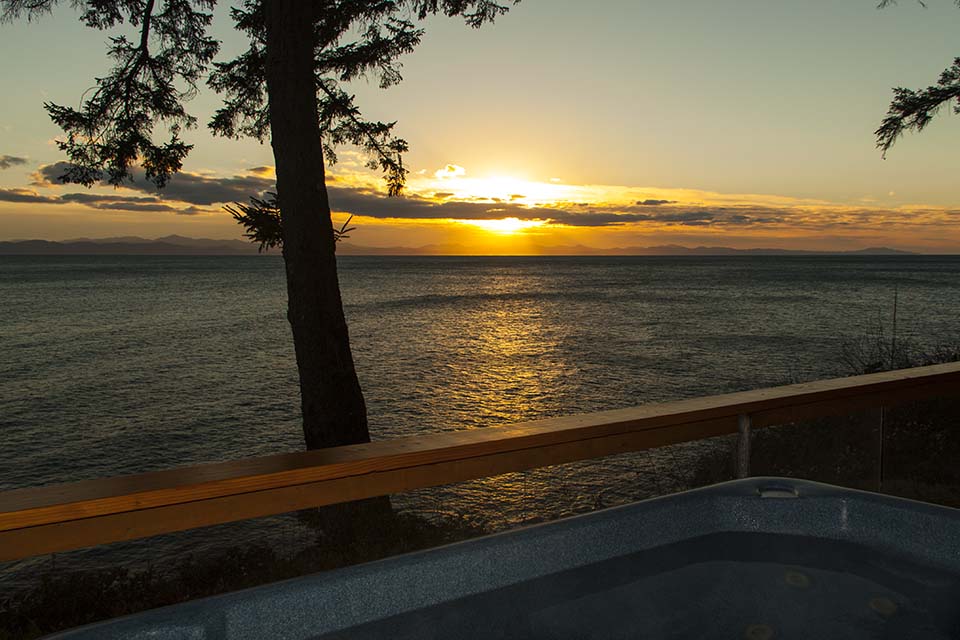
point(514, 362)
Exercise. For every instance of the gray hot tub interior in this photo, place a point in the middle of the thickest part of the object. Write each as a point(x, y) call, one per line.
point(756, 558)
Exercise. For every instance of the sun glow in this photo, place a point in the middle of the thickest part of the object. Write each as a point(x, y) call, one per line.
point(505, 226)
point(452, 183)
point(509, 188)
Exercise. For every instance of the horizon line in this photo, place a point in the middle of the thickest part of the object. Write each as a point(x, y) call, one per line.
point(134, 245)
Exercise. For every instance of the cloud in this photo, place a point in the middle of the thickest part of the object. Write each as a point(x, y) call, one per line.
point(197, 191)
point(48, 175)
point(132, 206)
point(205, 190)
point(196, 211)
point(450, 171)
point(93, 201)
point(117, 203)
point(95, 198)
point(11, 161)
point(597, 218)
point(189, 188)
point(686, 217)
point(369, 203)
point(365, 202)
point(197, 194)
point(26, 195)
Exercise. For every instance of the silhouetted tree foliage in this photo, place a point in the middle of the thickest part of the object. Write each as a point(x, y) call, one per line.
point(151, 79)
point(290, 84)
point(157, 72)
point(914, 109)
point(264, 225)
point(261, 219)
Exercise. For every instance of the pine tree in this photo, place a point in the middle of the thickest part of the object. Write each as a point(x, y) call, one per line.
point(915, 109)
point(289, 85)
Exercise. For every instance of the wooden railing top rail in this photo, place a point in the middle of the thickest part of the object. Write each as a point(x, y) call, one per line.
point(51, 518)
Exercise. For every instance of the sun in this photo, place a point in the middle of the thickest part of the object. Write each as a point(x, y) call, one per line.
point(507, 194)
point(505, 226)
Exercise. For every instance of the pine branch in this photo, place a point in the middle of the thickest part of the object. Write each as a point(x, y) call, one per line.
point(263, 223)
point(383, 33)
point(914, 110)
point(261, 219)
point(341, 122)
point(113, 129)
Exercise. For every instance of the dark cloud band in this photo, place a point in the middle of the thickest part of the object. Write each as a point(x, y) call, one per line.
point(11, 161)
point(26, 195)
point(191, 194)
point(184, 187)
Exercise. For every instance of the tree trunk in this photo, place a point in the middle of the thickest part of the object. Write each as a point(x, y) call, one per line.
point(334, 411)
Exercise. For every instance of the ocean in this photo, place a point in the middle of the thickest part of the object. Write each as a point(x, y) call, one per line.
point(119, 364)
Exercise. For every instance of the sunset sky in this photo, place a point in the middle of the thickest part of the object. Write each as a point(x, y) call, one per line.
point(602, 124)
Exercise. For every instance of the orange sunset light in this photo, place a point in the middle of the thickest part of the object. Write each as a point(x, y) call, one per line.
point(505, 226)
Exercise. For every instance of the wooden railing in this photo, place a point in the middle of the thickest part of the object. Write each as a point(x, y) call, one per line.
point(40, 520)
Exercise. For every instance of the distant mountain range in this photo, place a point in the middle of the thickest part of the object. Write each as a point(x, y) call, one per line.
point(129, 245)
point(582, 250)
point(180, 245)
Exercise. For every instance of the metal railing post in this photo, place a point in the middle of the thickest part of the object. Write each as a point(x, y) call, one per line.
point(743, 445)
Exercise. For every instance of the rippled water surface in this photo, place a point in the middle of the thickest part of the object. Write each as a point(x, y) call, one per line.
point(113, 365)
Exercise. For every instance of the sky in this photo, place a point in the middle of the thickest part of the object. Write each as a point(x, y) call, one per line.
point(746, 123)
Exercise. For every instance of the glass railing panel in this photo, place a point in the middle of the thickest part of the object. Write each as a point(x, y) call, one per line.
point(921, 453)
point(840, 450)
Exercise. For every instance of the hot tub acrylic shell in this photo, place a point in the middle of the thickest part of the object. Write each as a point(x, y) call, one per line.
point(466, 588)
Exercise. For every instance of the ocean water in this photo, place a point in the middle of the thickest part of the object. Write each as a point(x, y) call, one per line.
point(120, 364)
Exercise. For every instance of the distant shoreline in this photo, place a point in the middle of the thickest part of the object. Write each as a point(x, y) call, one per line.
point(182, 246)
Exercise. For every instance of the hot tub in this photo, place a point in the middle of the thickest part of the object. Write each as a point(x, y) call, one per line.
point(761, 558)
